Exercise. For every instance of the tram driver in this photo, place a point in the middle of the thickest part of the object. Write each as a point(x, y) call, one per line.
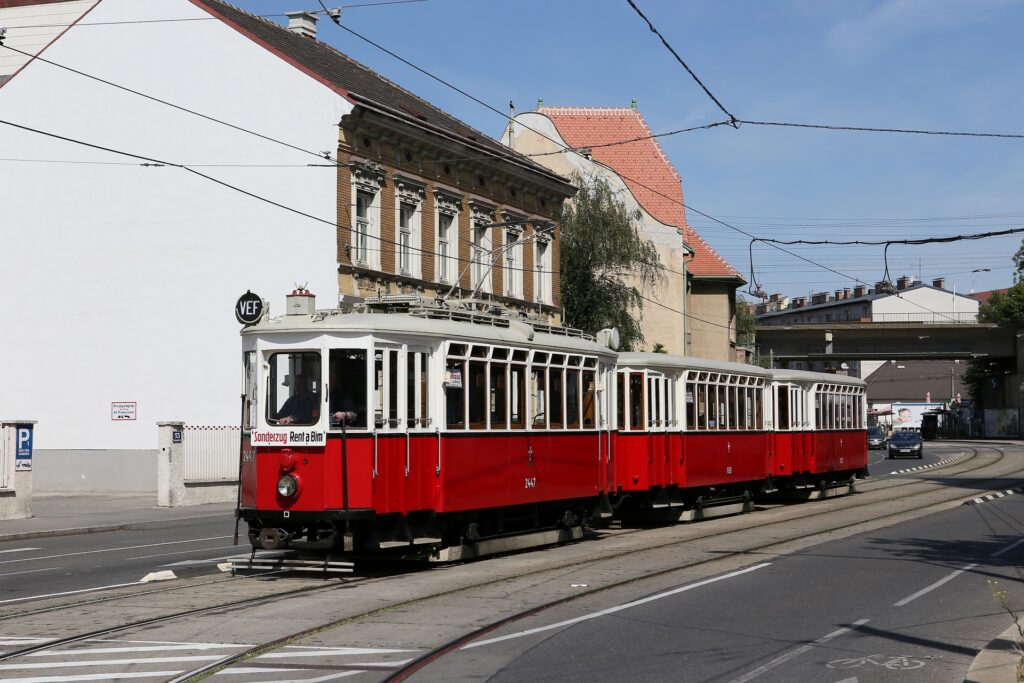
point(302, 407)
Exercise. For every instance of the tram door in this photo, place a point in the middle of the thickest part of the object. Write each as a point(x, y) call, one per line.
point(658, 397)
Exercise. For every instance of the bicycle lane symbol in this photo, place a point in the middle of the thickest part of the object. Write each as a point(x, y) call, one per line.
point(891, 662)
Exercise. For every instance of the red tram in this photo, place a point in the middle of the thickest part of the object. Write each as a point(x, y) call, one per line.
point(432, 426)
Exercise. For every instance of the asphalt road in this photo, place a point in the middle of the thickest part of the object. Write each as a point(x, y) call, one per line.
point(912, 602)
point(67, 564)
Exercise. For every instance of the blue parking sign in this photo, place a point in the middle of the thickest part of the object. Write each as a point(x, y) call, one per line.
point(23, 448)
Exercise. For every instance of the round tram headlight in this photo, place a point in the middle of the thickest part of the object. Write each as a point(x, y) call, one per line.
point(288, 485)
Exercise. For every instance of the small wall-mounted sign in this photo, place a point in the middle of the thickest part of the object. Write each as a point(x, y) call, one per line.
point(123, 410)
point(176, 436)
point(23, 448)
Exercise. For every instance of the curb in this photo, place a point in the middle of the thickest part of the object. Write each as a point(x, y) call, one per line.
point(77, 531)
point(997, 663)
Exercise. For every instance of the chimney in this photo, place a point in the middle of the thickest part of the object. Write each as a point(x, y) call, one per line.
point(839, 295)
point(846, 292)
point(820, 298)
point(860, 290)
point(775, 297)
point(903, 283)
point(303, 23)
point(939, 283)
point(799, 301)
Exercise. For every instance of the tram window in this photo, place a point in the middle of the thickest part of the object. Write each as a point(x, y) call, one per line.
point(702, 406)
point(691, 406)
point(500, 354)
point(636, 401)
point(347, 388)
point(457, 350)
point(416, 390)
point(499, 396)
point(557, 359)
point(653, 401)
point(538, 397)
point(392, 370)
point(572, 399)
point(742, 414)
point(480, 351)
point(817, 412)
point(723, 409)
point(519, 355)
point(293, 391)
point(588, 399)
point(455, 394)
point(540, 358)
point(733, 405)
point(758, 408)
point(251, 412)
point(555, 408)
point(424, 362)
point(517, 396)
point(477, 394)
point(574, 361)
point(620, 401)
point(713, 417)
point(590, 362)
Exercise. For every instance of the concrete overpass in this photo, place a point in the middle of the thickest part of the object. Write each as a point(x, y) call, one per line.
point(886, 341)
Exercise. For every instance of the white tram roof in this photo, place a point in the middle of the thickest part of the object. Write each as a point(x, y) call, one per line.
point(514, 333)
point(663, 360)
point(806, 377)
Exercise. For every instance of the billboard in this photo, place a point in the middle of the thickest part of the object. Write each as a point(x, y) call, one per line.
point(908, 415)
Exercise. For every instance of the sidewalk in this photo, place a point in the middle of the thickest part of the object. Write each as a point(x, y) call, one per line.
point(63, 514)
point(997, 663)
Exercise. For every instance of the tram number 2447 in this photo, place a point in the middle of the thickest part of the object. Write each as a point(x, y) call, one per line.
point(530, 483)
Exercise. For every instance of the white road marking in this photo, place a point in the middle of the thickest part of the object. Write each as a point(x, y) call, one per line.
point(321, 679)
point(798, 651)
point(83, 590)
point(124, 650)
point(12, 640)
point(31, 571)
point(110, 550)
point(335, 652)
point(108, 662)
point(619, 608)
point(182, 552)
point(1007, 548)
point(18, 550)
point(928, 589)
point(92, 677)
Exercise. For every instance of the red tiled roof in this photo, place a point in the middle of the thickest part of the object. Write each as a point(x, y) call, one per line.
point(643, 166)
point(983, 297)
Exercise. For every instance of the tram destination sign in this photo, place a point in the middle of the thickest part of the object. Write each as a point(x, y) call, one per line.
point(249, 308)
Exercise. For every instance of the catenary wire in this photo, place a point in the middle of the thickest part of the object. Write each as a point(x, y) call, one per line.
point(732, 119)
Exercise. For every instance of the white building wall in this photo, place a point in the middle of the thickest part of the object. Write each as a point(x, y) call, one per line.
point(119, 280)
point(925, 304)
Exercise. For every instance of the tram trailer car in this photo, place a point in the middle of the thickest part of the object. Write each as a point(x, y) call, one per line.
point(458, 425)
point(819, 427)
point(691, 433)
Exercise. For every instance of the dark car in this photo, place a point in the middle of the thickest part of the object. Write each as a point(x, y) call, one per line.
point(905, 442)
point(876, 437)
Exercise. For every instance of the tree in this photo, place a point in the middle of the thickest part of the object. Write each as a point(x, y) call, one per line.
point(746, 323)
point(1003, 309)
point(605, 263)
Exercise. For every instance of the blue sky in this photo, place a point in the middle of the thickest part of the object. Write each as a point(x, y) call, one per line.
point(922, 64)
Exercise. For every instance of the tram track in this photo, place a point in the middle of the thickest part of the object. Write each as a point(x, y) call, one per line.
point(426, 659)
point(836, 506)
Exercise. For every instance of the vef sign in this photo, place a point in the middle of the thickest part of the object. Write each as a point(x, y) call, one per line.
point(23, 448)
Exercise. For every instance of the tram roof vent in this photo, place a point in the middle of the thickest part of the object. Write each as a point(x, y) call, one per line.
point(300, 302)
